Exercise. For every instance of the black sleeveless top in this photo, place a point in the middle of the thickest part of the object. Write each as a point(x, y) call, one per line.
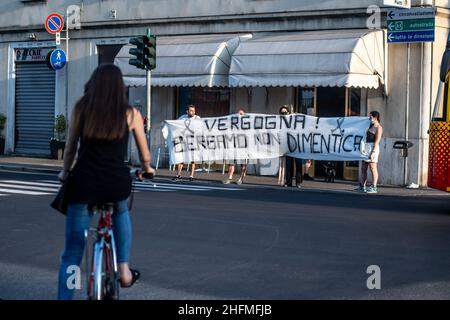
point(100, 174)
point(370, 137)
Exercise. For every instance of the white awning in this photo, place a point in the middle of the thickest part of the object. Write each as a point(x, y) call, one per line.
point(337, 58)
point(185, 61)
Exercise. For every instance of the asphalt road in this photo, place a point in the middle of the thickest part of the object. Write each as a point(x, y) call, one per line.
point(210, 241)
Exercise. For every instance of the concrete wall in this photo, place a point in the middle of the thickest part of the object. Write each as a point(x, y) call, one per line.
point(14, 14)
point(82, 62)
point(188, 16)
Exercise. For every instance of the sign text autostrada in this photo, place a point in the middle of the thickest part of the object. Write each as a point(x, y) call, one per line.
point(411, 25)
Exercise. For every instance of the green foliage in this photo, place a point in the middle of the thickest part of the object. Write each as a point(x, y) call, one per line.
point(60, 127)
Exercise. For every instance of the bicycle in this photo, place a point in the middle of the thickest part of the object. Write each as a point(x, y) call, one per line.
point(103, 279)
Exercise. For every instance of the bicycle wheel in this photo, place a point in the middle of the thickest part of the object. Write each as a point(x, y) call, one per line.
point(95, 286)
point(110, 280)
point(104, 282)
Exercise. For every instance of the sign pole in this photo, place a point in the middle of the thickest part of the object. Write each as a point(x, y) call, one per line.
point(67, 75)
point(405, 159)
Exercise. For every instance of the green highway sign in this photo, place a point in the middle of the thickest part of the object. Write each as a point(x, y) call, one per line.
point(411, 25)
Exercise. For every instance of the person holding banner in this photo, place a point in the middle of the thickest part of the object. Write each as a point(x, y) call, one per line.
point(232, 165)
point(292, 164)
point(189, 115)
point(373, 139)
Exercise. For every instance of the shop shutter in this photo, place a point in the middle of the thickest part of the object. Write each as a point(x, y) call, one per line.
point(35, 108)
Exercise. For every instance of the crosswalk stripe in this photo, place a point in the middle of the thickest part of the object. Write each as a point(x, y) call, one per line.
point(31, 193)
point(50, 181)
point(161, 186)
point(175, 186)
point(185, 186)
point(22, 187)
point(31, 183)
point(157, 186)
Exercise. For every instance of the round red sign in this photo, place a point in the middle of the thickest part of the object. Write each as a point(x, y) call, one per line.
point(54, 23)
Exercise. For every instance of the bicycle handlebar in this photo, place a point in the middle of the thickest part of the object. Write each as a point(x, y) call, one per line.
point(145, 175)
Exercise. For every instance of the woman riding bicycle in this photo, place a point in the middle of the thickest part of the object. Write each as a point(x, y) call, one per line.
point(101, 121)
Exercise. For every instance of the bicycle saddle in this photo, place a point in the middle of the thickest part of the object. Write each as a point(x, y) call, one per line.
point(104, 206)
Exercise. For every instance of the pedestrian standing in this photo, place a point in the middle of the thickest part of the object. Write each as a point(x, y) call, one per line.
point(373, 139)
point(189, 115)
point(293, 166)
point(232, 164)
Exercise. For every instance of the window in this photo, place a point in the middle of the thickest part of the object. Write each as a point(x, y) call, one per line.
point(330, 102)
point(209, 102)
point(305, 101)
point(354, 103)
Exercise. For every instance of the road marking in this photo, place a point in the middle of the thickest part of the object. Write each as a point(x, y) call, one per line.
point(28, 187)
point(17, 171)
point(138, 186)
point(32, 183)
point(136, 190)
point(55, 183)
point(184, 186)
point(31, 193)
point(50, 181)
point(174, 188)
point(160, 186)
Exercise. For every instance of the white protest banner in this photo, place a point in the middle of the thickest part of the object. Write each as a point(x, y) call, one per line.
point(261, 136)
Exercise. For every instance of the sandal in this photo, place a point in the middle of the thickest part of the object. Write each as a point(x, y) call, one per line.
point(135, 275)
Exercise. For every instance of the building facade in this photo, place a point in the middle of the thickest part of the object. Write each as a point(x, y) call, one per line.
point(320, 58)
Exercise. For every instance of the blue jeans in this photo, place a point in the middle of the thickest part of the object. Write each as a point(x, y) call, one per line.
point(77, 221)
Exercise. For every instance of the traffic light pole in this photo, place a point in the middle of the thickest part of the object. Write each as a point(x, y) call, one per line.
point(145, 58)
point(149, 106)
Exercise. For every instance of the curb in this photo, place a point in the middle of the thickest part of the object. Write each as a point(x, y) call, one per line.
point(28, 168)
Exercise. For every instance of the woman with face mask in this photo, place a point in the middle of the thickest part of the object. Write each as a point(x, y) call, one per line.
point(373, 139)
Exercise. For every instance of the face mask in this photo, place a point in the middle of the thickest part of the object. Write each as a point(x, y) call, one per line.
point(284, 113)
point(372, 121)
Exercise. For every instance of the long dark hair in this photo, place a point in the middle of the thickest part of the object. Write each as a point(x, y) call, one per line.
point(376, 115)
point(283, 107)
point(101, 113)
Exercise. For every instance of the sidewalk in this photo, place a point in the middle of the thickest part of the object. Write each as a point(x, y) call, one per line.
point(48, 166)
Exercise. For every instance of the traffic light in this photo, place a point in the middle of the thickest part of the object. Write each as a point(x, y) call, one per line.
point(138, 52)
point(144, 52)
point(150, 52)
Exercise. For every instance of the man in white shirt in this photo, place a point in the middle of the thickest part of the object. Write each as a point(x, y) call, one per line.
point(190, 114)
